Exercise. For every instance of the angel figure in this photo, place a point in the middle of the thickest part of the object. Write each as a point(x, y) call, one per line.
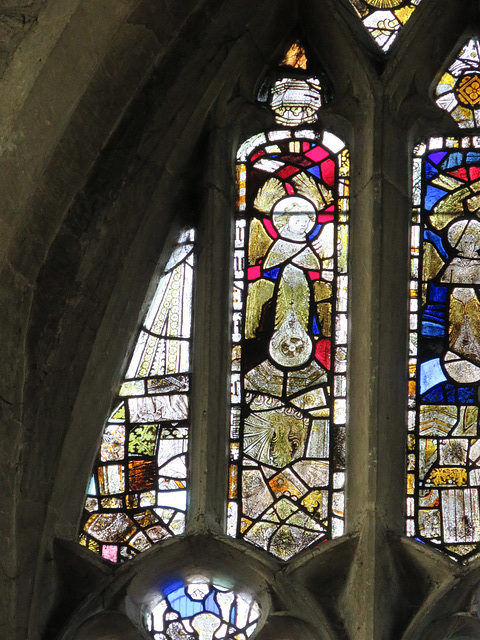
point(293, 253)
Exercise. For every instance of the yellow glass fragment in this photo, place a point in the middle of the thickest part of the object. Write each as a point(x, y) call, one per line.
point(410, 484)
point(259, 293)
point(412, 387)
point(295, 57)
point(448, 476)
point(245, 523)
point(447, 78)
point(432, 262)
point(314, 501)
point(404, 14)
point(258, 243)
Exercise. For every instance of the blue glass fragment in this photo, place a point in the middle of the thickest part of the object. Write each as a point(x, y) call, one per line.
point(431, 374)
point(211, 605)
point(315, 328)
point(466, 395)
point(433, 330)
point(473, 157)
point(272, 274)
point(437, 294)
point(437, 157)
point(432, 196)
point(453, 160)
point(437, 242)
point(316, 231)
point(436, 395)
point(430, 170)
point(315, 171)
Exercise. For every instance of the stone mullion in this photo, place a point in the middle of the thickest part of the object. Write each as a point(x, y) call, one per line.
point(211, 346)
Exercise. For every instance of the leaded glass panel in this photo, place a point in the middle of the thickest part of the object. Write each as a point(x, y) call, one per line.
point(444, 447)
point(384, 19)
point(289, 339)
point(137, 493)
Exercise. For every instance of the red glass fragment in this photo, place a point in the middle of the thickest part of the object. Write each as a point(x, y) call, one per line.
point(257, 155)
point(323, 353)
point(287, 171)
point(330, 208)
point(289, 188)
point(317, 153)
point(305, 146)
point(314, 275)
point(459, 173)
point(328, 171)
point(270, 229)
point(474, 173)
point(254, 273)
point(325, 217)
point(296, 159)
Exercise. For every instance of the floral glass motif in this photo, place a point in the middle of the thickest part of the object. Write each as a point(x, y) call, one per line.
point(443, 475)
point(137, 493)
point(202, 609)
point(384, 18)
point(289, 338)
point(458, 91)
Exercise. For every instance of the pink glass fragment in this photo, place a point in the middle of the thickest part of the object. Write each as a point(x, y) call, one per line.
point(317, 154)
point(110, 552)
point(254, 273)
point(270, 228)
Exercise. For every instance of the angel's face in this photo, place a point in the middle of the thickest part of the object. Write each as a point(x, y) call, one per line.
point(293, 217)
point(299, 223)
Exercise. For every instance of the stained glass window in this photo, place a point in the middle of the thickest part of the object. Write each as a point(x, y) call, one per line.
point(290, 329)
point(137, 493)
point(443, 476)
point(202, 609)
point(384, 18)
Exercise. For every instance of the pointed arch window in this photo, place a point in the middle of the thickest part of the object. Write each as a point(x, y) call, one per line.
point(289, 354)
point(444, 456)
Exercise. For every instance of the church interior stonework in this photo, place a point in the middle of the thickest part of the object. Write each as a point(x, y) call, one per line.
point(119, 126)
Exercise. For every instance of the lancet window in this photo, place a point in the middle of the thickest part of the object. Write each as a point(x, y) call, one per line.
point(290, 297)
point(444, 446)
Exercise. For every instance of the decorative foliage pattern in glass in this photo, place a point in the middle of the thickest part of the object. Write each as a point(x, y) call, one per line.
point(201, 609)
point(137, 493)
point(458, 91)
point(444, 446)
point(384, 18)
point(289, 341)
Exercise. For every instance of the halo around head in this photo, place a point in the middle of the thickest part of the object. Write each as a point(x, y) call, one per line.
point(461, 228)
